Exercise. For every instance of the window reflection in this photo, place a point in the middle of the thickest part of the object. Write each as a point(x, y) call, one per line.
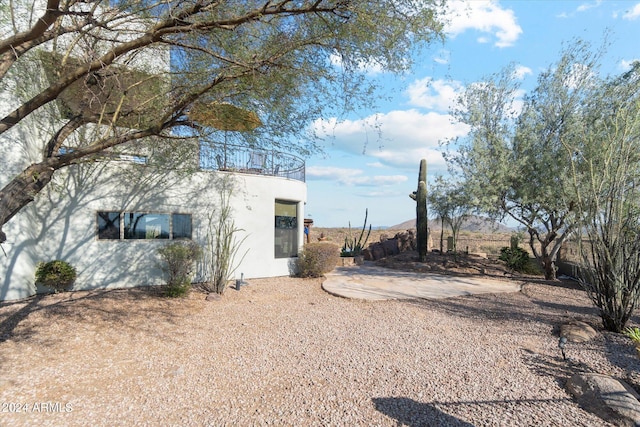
point(137, 225)
point(146, 226)
point(181, 226)
point(109, 225)
point(286, 229)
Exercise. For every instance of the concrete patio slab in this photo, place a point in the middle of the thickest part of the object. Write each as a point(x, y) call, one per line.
point(369, 282)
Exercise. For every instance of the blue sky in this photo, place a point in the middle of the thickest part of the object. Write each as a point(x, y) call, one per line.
point(361, 168)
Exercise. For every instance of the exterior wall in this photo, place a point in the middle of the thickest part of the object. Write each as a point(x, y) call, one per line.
point(61, 224)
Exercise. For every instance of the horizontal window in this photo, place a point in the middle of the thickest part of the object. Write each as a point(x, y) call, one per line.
point(143, 226)
point(146, 226)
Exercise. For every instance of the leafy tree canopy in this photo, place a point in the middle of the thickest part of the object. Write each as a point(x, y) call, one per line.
point(514, 160)
point(103, 62)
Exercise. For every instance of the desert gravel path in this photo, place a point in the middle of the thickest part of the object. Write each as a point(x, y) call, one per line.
point(283, 352)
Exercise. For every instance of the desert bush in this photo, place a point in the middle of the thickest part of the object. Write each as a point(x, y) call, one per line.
point(634, 334)
point(317, 259)
point(178, 263)
point(223, 243)
point(58, 275)
point(516, 258)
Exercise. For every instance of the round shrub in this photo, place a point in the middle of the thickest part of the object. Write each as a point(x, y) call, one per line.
point(317, 259)
point(516, 258)
point(178, 263)
point(57, 274)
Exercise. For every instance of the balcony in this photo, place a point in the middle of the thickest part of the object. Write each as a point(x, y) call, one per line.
point(232, 158)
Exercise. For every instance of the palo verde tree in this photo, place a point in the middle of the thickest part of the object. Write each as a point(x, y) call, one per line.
point(605, 167)
point(99, 66)
point(449, 201)
point(438, 207)
point(513, 160)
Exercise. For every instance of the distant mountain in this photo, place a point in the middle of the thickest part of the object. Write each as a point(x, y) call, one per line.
point(473, 223)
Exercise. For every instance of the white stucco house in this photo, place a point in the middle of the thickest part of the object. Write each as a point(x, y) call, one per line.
point(107, 218)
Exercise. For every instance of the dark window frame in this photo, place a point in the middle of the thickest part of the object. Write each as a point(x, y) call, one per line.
point(120, 217)
point(285, 244)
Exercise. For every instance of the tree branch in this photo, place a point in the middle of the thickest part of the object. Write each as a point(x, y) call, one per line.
point(172, 25)
point(42, 24)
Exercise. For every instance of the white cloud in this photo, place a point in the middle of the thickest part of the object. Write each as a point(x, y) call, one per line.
point(581, 8)
point(351, 177)
point(632, 14)
point(625, 65)
point(443, 57)
point(521, 71)
point(390, 193)
point(438, 95)
point(586, 6)
point(404, 136)
point(370, 67)
point(578, 75)
point(375, 165)
point(485, 16)
point(411, 158)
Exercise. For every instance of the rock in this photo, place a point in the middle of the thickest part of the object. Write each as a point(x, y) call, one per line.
point(346, 261)
point(212, 296)
point(406, 241)
point(612, 400)
point(377, 252)
point(482, 255)
point(390, 247)
point(577, 331)
point(401, 242)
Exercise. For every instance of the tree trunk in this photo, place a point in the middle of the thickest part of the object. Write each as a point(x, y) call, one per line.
point(21, 191)
point(546, 258)
point(549, 267)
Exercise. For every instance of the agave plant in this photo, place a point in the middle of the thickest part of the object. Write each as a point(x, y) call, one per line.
point(634, 334)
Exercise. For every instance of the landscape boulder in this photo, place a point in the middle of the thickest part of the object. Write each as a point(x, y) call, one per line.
point(212, 296)
point(401, 242)
point(610, 399)
point(577, 331)
point(390, 247)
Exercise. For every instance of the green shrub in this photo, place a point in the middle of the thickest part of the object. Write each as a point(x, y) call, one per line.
point(179, 260)
point(634, 334)
point(317, 259)
point(516, 258)
point(57, 274)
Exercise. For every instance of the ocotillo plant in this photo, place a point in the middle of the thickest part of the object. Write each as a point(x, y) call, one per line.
point(353, 246)
point(420, 196)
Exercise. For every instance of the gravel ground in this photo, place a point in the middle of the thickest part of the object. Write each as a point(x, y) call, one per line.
point(283, 352)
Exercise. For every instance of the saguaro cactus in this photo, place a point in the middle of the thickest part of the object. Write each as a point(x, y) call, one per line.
point(420, 196)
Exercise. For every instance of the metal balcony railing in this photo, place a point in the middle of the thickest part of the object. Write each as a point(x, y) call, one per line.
point(233, 158)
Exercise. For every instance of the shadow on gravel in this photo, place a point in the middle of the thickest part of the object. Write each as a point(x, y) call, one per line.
point(514, 307)
point(554, 366)
point(22, 320)
point(412, 413)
